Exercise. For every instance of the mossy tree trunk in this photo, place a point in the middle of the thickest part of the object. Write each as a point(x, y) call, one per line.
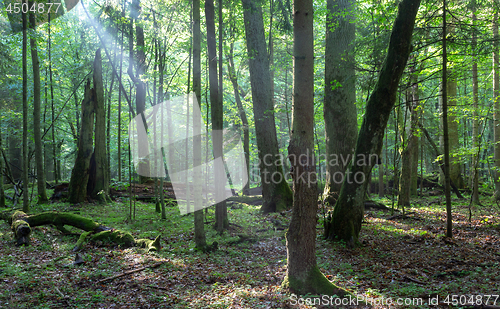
point(21, 224)
point(303, 275)
point(80, 173)
point(276, 193)
point(345, 223)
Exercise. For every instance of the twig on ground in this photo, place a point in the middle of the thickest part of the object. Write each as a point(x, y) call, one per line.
point(129, 272)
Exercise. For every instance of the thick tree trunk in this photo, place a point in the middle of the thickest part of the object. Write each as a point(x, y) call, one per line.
point(345, 224)
point(303, 275)
point(276, 193)
point(21, 224)
point(80, 173)
point(246, 137)
point(40, 168)
point(101, 188)
point(339, 109)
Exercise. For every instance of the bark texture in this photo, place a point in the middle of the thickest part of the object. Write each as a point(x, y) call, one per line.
point(276, 193)
point(339, 109)
point(216, 110)
point(199, 224)
point(40, 167)
point(101, 188)
point(345, 223)
point(80, 173)
point(303, 275)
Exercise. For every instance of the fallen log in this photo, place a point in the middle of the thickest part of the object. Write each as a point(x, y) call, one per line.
point(21, 224)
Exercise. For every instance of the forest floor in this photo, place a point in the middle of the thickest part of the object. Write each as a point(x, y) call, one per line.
point(405, 259)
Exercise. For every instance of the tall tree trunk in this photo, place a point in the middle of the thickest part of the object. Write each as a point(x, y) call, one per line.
point(26, 202)
point(101, 189)
point(80, 174)
point(199, 225)
point(444, 94)
point(246, 139)
point(119, 133)
point(414, 115)
point(496, 100)
point(339, 109)
point(216, 110)
point(303, 275)
point(2, 193)
point(40, 168)
point(345, 224)
point(276, 193)
point(54, 156)
point(143, 167)
point(475, 120)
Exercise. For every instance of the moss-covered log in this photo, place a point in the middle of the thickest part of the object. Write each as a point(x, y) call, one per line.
point(21, 224)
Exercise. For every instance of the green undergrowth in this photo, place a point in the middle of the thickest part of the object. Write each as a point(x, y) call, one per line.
point(406, 257)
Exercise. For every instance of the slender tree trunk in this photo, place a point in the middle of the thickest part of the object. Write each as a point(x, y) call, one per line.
point(303, 275)
point(119, 130)
point(414, 115)
point(2, 193)
point(406, 146)
point(496, 108)
point(381, 178)
point(475, 120)
point(199, 224)
point(101, 189)
point(54, 156)
point(40, 168)
point(276, 193)
point(221, 221)
point(339, 109)
point(246, 139)
point(143, 168)
point(26, 202)
point(345, 224)
point(446, 147)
